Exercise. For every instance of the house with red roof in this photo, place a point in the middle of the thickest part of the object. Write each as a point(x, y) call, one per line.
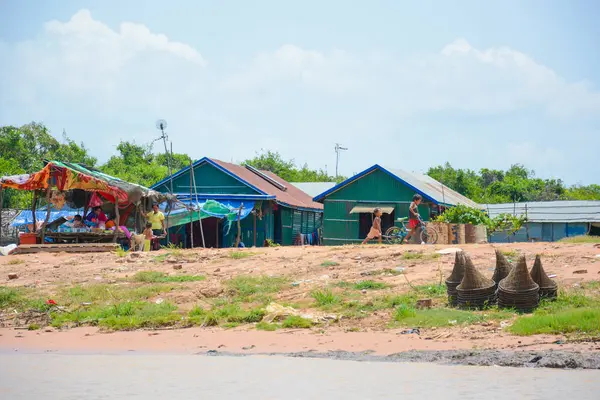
point(270, 209)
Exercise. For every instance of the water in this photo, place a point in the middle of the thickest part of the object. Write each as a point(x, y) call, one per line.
point(135, 376)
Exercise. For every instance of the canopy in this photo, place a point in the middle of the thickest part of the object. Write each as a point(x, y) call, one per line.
point(230, 210)
point(69, 176)
point(25, 217)
point(370, 209)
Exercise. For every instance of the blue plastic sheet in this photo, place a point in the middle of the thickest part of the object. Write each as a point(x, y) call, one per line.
point(25, 217)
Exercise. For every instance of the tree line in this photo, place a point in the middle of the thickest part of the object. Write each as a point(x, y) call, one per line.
point(23, 150)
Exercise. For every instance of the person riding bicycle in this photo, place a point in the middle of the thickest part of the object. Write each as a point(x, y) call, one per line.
point(414, 218)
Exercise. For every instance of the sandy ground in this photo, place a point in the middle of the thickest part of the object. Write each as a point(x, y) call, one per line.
point(571, 263)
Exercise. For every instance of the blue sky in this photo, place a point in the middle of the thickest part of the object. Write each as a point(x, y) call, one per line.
point(405, 84)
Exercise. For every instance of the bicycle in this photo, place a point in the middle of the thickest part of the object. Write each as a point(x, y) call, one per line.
point(397, 234)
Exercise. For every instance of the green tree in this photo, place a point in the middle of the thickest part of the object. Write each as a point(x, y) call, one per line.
point(286, 169)
point(138, 164)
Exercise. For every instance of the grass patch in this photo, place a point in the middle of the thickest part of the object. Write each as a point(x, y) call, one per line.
point(121, 253)
point(574, 320)
point(15, 261)
point(325, 298)
point(226, 315)
point(409, 255)
point(103, 293)
point(431, 290)
point(327, 264)
point(441, 317)
point(121, 316)
point(581, 239)
point(265, 326)
point(239, 255)
point(10, 297)
point(370, 285)
point(160, 277)
point(296, 322)
point(248, 288)
point(510, 253)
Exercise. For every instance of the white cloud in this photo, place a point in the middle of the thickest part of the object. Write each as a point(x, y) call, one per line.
point(104, 84)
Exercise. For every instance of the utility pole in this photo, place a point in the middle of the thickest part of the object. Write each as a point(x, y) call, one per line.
point(161, 124)
point(338, 150)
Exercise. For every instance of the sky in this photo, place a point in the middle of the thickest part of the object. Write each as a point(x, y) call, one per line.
point(404, 84)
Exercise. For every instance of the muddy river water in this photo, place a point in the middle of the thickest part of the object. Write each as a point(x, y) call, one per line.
point(159, 376)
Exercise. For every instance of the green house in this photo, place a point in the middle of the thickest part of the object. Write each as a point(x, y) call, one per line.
point(270, 209)
point(348, 207)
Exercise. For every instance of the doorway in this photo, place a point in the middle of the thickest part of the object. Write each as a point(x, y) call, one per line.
point(213, 233)
point(365, 222)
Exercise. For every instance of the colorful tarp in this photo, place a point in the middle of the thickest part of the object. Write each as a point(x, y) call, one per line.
point(229, 210)
point(68, 176)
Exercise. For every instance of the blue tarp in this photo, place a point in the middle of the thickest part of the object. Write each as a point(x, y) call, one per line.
point(226, 209)
point(25, 217)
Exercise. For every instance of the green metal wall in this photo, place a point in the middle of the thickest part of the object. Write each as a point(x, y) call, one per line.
point(295, 221)
point(208, 180)
point(376, 188)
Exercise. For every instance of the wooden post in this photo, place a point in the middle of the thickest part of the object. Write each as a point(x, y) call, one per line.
point(1, 206)
point(191, 212)
point(117, 220)
point(239, 226)
point(33, 207)
point(254, 228)
point(199, 212)
point(48, 209)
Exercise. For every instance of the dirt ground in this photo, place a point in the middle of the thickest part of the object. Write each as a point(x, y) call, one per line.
point(308, 268)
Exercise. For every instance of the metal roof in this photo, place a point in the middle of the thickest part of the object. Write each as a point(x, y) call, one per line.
point(549, 211)
point(426, 186)
point(314, 188)
point(291, 197)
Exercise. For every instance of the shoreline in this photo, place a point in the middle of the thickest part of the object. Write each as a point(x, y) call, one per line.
point(389, 346)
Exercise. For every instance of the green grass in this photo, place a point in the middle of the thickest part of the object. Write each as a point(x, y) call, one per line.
point(442, 317)
point(325, 298)
point(121, 253)
point(103, 293)
point(10, 297)
point(239, 255)
point(431, 290)
point(510, 253)
point(160, 277)
point(409, 255)
point(226, 314)
point(581, 239)
point(573, 320)
point(296, 322)
point(249, 288)
point(370, 285)
point(327, 264)
point(265, 326)
point(121, 316)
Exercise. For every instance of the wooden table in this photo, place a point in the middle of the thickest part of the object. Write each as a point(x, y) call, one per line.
point(84, 237)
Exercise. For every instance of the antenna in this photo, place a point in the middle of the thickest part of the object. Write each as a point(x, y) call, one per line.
point(161, 125)
point(338, 150)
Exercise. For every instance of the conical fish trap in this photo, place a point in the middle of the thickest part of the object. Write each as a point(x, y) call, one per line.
point(518, 280)
point(518, 290)
point(548, 288)
point(455, 277)
point(475, 290)
point(503, 267)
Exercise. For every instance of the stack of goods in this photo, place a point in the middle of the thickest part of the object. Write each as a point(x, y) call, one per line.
point(455, 277)
point(518, 290)
point(503, 268)
point(475, 290)
point(548, 288)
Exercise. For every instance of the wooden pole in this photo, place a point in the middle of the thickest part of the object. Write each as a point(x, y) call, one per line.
point(199, 213)
point(1, 206)
point(33, 207)
point(117, 220)
point(254, 228)
point(191, 201)
point(239, 226)
point(48, 209)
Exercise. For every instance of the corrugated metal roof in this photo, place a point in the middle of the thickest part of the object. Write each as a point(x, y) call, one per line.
point(549, 211)
point(439, 192)
point(424, 185)
point(292, 196)
point(314, 188)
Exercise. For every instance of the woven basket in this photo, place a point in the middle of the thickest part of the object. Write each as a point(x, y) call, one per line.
point(518, 280)
point(503, 267)
point(548, 288)
point(475, 290)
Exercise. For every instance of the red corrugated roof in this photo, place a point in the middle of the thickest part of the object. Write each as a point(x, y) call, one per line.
point(292, 196)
